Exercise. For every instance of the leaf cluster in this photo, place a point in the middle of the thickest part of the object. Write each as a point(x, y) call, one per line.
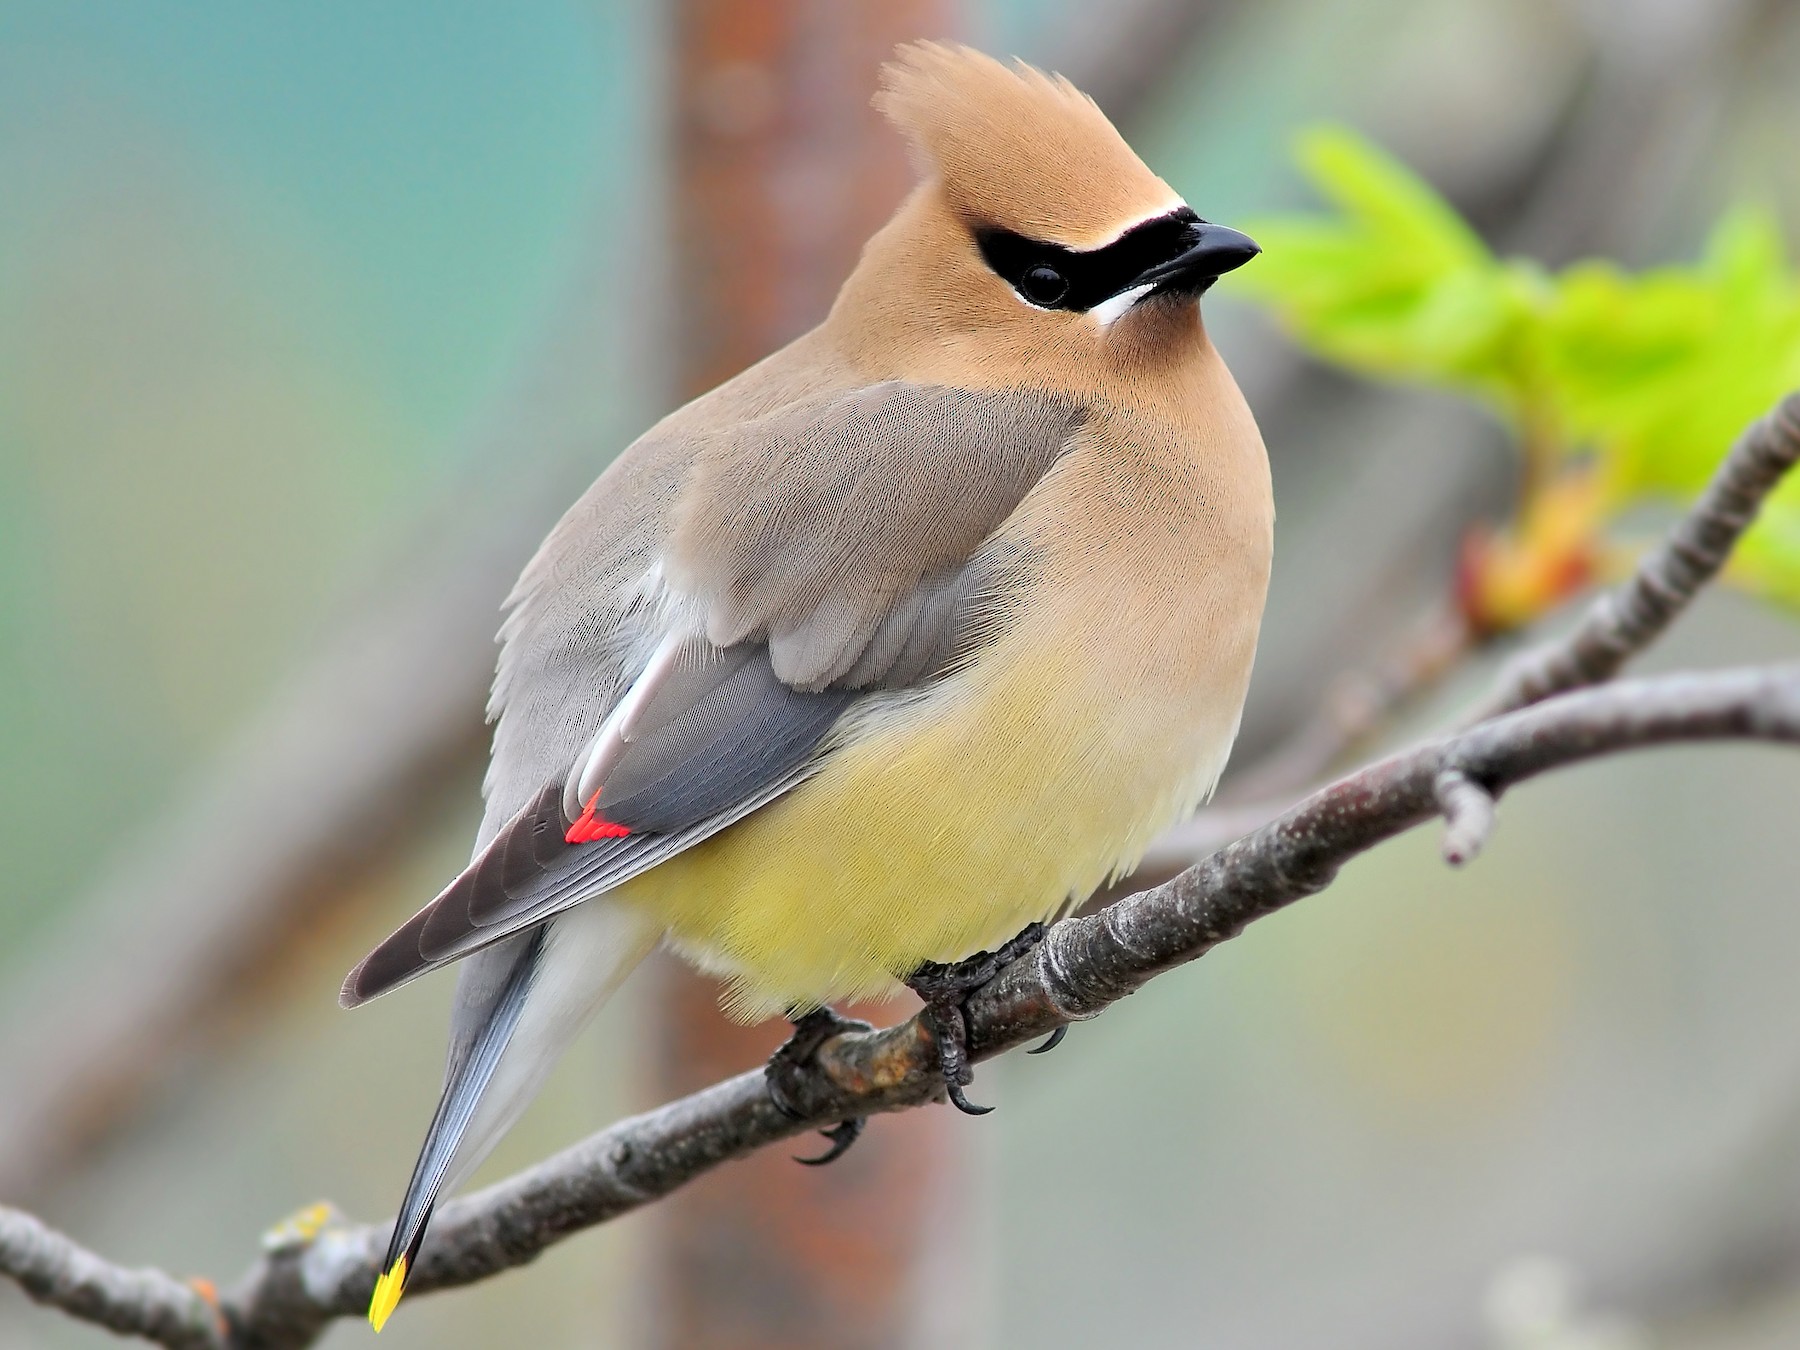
point(1620, 386)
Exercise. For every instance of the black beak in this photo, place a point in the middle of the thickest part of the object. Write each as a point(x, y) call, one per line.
point(1212, 251)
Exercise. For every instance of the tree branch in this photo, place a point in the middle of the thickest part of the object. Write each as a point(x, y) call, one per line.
point(1083, 966)
point(57, 1271)
point(1628, 618)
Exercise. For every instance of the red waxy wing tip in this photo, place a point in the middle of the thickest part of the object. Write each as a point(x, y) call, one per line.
point(589, 826)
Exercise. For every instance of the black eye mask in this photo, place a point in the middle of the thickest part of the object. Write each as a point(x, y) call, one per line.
point(1053, 277)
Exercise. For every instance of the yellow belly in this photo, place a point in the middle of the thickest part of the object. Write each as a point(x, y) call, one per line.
point(942, 829)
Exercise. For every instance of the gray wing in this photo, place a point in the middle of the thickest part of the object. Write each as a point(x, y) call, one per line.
point(728, 737)
point(836, 532)
point(838, 551)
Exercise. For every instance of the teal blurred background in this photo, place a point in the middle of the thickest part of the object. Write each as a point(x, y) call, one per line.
point(259, 266)
point(268, 276)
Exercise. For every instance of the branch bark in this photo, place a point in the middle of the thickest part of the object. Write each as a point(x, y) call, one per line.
point(1082, 967)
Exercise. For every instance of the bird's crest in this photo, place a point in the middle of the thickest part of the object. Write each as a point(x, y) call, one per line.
point(1016, 148)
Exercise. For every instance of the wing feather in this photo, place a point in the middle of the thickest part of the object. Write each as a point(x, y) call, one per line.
point(808, 529)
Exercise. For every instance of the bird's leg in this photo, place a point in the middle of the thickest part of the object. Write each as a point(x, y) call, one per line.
point(946, 987)
point(795, 1056)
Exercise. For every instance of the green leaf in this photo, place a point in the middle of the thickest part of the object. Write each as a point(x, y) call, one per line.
point(1651, 374)
point(1395, 284)
point(1377, 191)
point(1657, 372)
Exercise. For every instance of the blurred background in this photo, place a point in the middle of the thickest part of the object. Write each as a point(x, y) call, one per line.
point(312, 318)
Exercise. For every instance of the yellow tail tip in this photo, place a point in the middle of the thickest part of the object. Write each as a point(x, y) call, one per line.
point(387, 1294)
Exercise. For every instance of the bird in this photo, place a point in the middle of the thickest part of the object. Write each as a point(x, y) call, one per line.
point(859, 668)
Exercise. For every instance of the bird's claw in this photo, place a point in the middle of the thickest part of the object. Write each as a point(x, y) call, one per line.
point(946, 987)
point(1051, 1042)
point(841, 1135)
point(958, 1099)
point(796, 1057)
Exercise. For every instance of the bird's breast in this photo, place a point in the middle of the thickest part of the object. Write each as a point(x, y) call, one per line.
point(1100, 710)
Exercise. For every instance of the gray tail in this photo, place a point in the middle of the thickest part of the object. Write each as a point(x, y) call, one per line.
point(467, 1080)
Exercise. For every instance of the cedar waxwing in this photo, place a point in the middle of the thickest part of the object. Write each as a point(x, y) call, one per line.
point(905, 638)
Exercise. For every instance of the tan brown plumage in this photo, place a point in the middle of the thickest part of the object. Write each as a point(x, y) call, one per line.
point(910, 634)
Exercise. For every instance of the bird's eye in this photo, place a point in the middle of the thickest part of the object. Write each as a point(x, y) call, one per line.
point(1043, 285)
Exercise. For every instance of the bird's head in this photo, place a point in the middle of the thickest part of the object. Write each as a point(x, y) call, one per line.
point(1035, 231)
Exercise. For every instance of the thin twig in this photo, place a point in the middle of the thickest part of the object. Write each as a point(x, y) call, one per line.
point(1468, 809)
point(1085, 964)
point(1625, 620)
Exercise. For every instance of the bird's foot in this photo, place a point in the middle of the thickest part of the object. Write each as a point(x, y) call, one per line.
point(795, 1057)
point(946, 987)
